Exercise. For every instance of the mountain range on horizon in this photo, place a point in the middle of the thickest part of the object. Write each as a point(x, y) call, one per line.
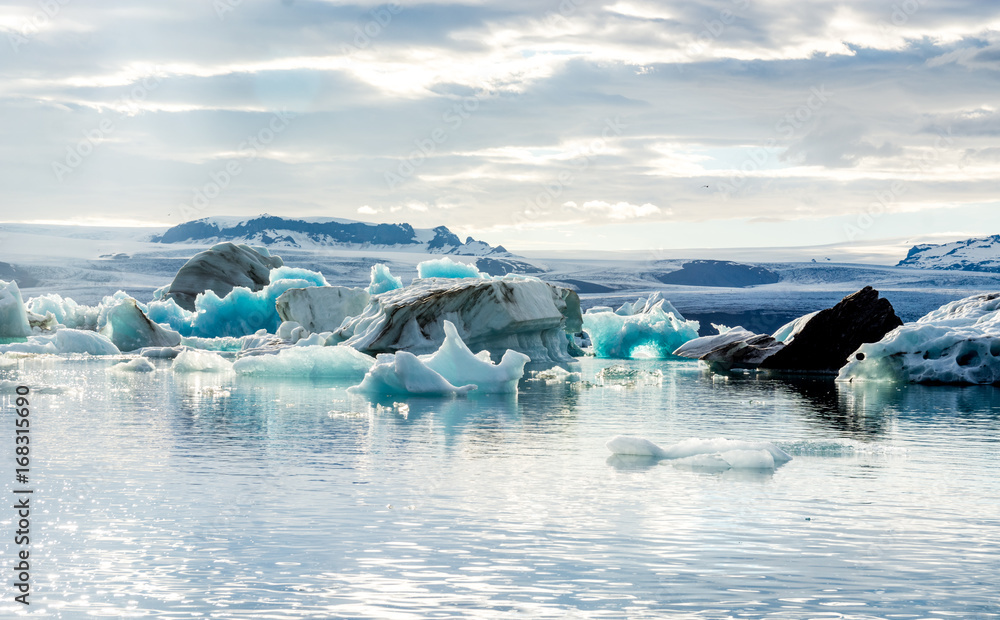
point(308, 233)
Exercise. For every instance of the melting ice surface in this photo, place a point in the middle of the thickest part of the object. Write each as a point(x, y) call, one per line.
point(171, 495)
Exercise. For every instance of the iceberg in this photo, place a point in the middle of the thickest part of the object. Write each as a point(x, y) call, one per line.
point(513, 312)
point(452, 369)
point(192, 360)
point(820, 342)
point(63, 342)
point(446, 268)
point(321, 308)
point(655, 331)
point(13, 314)
point(646, 305)
point(66, 311)
point(242, 312)
point(959, 343)
point(336, 362)
point(719, 453)
point(125, 324)
point(219, 270)
point(382, 281)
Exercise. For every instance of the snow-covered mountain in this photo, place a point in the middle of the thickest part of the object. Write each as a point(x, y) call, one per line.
point(306, 233)
point(982, 254)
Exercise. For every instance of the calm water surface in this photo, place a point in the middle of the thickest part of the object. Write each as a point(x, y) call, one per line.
point(213, 496)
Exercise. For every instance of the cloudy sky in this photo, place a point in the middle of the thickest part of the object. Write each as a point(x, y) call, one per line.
point(533, 123)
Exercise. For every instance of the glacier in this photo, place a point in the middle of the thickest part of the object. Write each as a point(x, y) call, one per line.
point(382, 281)
point(446, 268)
point(510, 312)
point(959, 343)
point(13, 314)
point(337, 362)
point(452, 369)
point(718, 453)
point(638, 330)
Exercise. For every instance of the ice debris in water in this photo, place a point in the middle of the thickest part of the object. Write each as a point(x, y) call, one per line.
point(719, 453)
point(309, 361)
point(192, 360)
point(623, 375)
point(139, 364)
point(957, 343)
point(446, 268)
point(383, 281)
point(634, 332)
point(63, 342)
point(556, 374)
point(452, 369)
point(13, 315)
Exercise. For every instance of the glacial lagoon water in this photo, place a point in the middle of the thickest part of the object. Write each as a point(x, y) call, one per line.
point(164, 495)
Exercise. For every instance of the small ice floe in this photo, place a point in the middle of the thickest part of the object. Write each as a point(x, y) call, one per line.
point(161, 352)
point(713, 454)
point(139, 364)
point(452, 369)
point(10, 387)
point(556, 374)
point(65, 341)
point(192, 360)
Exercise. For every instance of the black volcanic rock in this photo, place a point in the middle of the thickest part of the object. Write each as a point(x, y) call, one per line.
point(822, 344)
point(220, 269)
point(719, 273)
point(827, 339)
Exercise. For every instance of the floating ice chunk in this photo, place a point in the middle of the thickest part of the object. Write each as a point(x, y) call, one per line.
point(13, 314)
point(446, 268)
point(321, 308)
point(623, 375)
point(161, 352)
point(125, 324)
point(66, 311)
point(167, 312)
point(382, 281)
point(556, 374)
point(7, 362)
point(452, 369)
point(191, 360)
point(522, 314)
point(404, 373)
point(222, 343)
point(139, 364)
point(286, 328)
point(221, 269)
point(653, 333)
point(957, 343)
point(705, 452)
point(310, 361)
point(63, 342)
point(460, 366)
point(645, 305)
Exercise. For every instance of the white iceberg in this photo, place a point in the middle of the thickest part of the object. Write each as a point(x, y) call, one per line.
point(654, 332)
point(321, 308)
point(719, 453)
point(452, 369)
point(191, 360)
point(63, 342)
point(13, 314)
point(309, 361)
point(66, 311)
point(382, 281)
point(514, 312)
point(645, 305)
point(957, 343)
point(446, 268)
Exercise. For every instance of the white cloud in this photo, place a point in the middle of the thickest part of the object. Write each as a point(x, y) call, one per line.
point(366, 210)
point(616, 211)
